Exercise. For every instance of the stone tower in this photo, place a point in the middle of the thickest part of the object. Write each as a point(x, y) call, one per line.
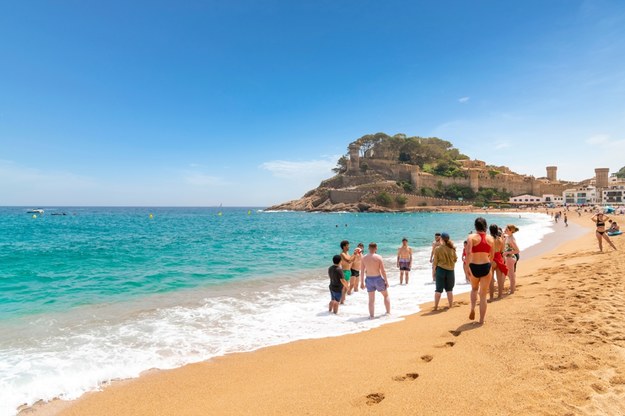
point(601, 177)
point(474, 179)
point(552, 173)
point(353, 164)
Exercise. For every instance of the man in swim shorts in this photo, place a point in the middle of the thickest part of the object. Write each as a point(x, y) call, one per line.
point(357, 259)
point(337, 283)
point(346, 265)
point(404, 261)
point(374, 275)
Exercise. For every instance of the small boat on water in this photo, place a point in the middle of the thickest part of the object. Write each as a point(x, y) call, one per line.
point(35, 211)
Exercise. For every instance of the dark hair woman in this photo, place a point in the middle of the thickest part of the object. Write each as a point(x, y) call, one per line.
point(480, 254)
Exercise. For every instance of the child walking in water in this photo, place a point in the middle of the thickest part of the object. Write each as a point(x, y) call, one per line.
point(337, 284)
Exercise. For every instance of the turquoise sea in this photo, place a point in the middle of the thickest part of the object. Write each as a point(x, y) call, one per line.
point(105, 293)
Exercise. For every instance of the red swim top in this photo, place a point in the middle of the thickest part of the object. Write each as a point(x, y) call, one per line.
point(483, 247)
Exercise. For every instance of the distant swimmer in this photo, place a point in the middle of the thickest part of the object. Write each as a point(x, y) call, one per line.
point(600, 219)
point(374, 274)
point(480, 252)
point(445, 259)
point(511, 251)
point(357, 257)
point(404, 261)
point(346, 265)
point(337, 284)
point(499, 263)
point(435, 243)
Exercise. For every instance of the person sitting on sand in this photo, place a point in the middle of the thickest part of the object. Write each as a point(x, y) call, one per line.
point(445, 259)
point(614, 227)
point(346, 265)
point(355, 271)
point(374, 275)
point(337, 283)
point(435, 243)
point(404, 261)
point(511, 251)
point(600, 219)
point(480, 251)
point(499, 263)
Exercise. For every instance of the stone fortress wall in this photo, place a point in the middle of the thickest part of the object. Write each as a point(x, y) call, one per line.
point(478, 175)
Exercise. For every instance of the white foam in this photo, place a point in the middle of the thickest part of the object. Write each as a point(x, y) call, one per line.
point(66, 355)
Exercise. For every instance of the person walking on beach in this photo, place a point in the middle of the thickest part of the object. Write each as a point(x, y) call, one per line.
point(480, 251)
point(435, 243)
point(566, 220)
point(511, 251)
point(445, 259)
point(600, 219)
point(346, 265)
point(465, 263)
point(337, 284)
point(499, 264)
point(355, 271)
point(374, 275)
point(404, 261)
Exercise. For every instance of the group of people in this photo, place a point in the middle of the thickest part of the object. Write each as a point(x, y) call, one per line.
point(488, 251)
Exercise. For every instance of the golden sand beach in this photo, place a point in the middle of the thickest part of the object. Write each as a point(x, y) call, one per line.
point(556, 347)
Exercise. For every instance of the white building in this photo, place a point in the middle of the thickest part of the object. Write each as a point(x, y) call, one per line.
point(535, 200)
point(614, 194)
point(583, 195)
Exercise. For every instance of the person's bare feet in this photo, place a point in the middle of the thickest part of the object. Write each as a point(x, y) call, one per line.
point(472, 315)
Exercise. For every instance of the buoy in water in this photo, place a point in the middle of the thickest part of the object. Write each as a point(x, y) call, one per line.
point(151, 216)
point(249, 212)
point(219, 214)
point(34, 216)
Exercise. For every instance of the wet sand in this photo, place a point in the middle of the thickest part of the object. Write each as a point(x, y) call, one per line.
point(556, 347)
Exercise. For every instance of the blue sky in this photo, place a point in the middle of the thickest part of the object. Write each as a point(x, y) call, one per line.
point(250, 102)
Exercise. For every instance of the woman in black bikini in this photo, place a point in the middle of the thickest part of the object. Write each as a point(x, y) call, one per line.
point(480, 254)
point(600, 219)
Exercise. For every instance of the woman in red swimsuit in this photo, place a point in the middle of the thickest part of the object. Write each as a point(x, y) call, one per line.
point(500, 269)
point(480, 254)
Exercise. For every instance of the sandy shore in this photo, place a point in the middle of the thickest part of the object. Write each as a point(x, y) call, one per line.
point(556, 347)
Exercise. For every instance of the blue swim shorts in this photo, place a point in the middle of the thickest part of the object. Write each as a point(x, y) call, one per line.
point(374, 283)
point(336, 296)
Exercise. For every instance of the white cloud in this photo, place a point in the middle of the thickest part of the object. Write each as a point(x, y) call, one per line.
point(598, 139)
point(501, 145)
point(201, 179)
point(463, 100)
point(295, 170)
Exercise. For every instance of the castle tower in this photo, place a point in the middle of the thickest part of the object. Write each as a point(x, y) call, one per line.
point(353, 165)
point(601, 177)
point(552, 173)
point(474, 179)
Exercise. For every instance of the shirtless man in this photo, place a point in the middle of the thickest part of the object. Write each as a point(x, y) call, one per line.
point(374, 277)
point(435, 243)
point(346, 265)
point(357, 258)
point(404, 261)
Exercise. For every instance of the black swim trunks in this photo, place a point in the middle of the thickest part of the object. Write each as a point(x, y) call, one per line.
point(479, 270)
point(355, 273)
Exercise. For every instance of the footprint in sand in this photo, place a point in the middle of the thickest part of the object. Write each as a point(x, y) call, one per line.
point(408, 376)
point(427, 358)
point(446, 345)
point(455, 333)
point(374, 398)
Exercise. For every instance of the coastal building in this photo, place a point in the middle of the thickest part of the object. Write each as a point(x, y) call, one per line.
point(526, 199)
point(535, 200)
point(582, 195)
